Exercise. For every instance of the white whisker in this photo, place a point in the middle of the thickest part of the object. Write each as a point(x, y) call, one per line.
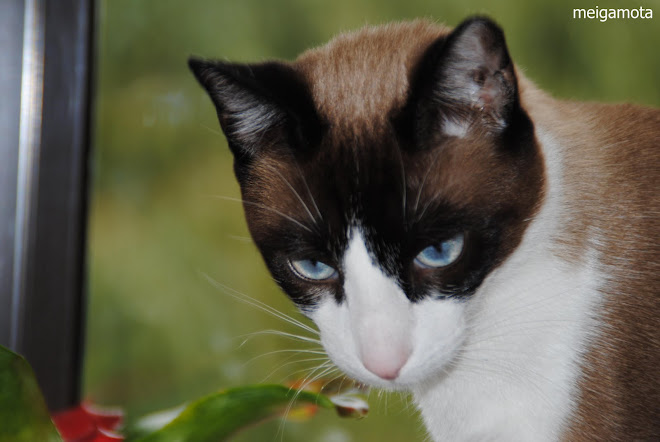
point(256, 303)
point(426, 175)
point(245, 239)
point(263, 206)
point(295, 193)
point(287, 363)
point(309, 192)
point(283, 334)
point(291, 350)
point(403, 180)
point(306, 382)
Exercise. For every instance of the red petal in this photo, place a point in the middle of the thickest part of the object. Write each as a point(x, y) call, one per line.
point(106, 436)
point(106, 418)
point(74, 424)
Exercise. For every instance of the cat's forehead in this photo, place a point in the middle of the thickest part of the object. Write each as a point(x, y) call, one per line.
point(359, 77)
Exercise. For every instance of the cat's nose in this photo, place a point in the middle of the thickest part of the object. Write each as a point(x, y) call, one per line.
point(386, 364)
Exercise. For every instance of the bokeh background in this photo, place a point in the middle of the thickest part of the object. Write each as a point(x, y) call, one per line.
point(158, 333)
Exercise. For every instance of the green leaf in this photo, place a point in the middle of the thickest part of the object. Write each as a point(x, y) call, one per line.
point(218, 416)
point(24, 416)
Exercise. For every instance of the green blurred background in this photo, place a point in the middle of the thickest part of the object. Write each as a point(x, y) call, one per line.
point(158, 332)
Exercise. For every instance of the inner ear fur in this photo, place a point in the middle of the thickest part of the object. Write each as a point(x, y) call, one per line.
point(259, 106)
point(475, 76)
point(465, 81)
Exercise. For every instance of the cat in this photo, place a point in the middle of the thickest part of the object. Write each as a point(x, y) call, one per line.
point(456, 232)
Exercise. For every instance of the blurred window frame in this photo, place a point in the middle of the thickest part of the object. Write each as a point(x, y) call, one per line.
point(46, 60)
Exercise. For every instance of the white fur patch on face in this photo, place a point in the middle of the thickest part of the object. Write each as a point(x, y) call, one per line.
point(453, 128)
point(377, 335)
point(379, 312)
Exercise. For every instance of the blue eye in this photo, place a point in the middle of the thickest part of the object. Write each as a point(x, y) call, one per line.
point(314, 270)
point(441, 255)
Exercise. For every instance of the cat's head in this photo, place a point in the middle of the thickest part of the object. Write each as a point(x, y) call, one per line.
point(384, 177)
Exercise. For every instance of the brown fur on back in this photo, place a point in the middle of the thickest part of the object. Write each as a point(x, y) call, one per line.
point(611, 177)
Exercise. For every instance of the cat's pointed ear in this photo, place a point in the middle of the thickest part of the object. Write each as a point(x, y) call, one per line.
point(260, 106)
point(475, 76)
point(468, 80)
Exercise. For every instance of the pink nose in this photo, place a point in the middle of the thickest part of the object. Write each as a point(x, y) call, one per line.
point(386, 365)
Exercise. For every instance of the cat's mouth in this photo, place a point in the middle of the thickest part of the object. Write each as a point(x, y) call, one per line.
point(412, 346)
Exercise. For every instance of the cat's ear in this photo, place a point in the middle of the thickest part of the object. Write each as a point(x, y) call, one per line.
point(469, 81)
point(260, 106)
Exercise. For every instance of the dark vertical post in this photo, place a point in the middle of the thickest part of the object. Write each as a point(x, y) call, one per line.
point(11, 56)
point(46, 301)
